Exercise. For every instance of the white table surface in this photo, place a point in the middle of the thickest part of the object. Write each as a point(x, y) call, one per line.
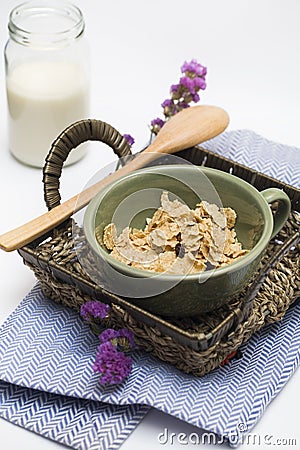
point(252, 51)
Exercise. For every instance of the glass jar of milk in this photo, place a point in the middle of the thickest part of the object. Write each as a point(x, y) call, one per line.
point(47, 77)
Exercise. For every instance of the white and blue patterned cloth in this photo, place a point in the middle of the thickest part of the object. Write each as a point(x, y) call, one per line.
point(246, 147)
point(77, 423)
point(46, 353)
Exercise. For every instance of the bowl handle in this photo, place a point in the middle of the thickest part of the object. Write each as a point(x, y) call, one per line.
point(272, 195)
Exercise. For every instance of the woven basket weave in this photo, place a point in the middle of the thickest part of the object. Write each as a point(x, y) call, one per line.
point(195, 345)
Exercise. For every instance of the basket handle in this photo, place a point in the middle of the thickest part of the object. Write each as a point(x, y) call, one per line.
point(74, 135)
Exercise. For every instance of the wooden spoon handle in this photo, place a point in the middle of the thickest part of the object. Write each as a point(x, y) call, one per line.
point(186, 129)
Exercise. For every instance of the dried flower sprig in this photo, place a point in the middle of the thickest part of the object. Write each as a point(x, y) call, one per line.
point(113, 366)
point(129, 139)
point(111, 362)
point(94, 309)
point(183, 93)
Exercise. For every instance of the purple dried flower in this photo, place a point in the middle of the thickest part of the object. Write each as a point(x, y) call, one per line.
point(175, 91)
point(187, 83)
point(202, 71)
point(199, 83)
point(193, 68)
point(167, 103)
point(182, 93)
point(159, 122)
point(182, 105)
point(174, 88)
point(156, 125)
point(169, 108)
point(196, 98)
point(127, 334)
point(108, 335)
point(94, 309)
point(129, 139)
point(112, 365)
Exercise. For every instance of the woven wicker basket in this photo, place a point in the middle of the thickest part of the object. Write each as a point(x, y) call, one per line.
point(195, 345)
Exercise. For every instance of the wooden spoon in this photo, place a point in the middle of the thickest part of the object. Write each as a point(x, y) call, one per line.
point(186, 129)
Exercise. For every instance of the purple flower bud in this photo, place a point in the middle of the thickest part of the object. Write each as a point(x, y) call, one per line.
point(129, 139)
point(175, 91)
point(167, 103)
point(199, 83)
point(112, 365)
point(196, 98)
point(174, 87)
point(158, 122)
point(187, 83)
point(94, 309)
point(193, 67)
point(183, 105)
point(169, 108)
point(202, 71)
point(125, 333)
point(108, 334)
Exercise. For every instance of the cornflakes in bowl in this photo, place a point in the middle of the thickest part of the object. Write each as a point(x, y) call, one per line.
point(177, 237)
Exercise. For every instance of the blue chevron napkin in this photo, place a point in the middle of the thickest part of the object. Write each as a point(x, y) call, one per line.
point(46, 353)
point(74, 422)
point(246, 147)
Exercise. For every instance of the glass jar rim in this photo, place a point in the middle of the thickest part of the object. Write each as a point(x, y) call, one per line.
point(36, 12)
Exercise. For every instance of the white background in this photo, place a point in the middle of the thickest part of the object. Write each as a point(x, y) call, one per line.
point(252, 51)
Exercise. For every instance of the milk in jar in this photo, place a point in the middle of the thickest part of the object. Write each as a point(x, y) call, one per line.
point(43, 99)
point(47, 77)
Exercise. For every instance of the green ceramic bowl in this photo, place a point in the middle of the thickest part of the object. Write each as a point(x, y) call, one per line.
point(130, 200)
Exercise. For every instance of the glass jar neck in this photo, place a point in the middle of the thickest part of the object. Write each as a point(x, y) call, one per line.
point(45, 24)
